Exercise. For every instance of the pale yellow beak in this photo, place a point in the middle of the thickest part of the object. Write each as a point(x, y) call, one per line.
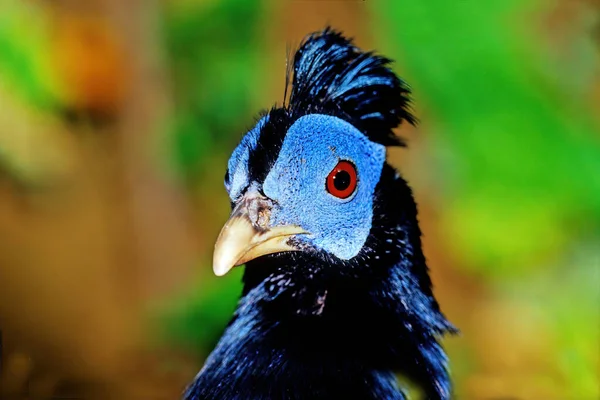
point(241, 240)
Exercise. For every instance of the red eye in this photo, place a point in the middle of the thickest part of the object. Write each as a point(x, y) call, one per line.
point(341, 181)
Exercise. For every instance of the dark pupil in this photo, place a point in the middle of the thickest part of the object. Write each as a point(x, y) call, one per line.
point(341, 180)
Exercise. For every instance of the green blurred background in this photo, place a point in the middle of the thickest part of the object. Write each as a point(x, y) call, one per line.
point(116, 124)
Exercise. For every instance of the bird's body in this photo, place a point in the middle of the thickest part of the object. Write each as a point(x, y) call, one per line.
point(337, 297)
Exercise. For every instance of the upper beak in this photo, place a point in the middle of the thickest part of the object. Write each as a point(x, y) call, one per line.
point(246, 235)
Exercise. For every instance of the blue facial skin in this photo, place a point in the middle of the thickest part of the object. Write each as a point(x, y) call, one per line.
point(312, 147)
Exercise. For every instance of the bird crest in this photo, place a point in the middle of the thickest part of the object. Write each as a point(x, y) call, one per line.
point(331, 75)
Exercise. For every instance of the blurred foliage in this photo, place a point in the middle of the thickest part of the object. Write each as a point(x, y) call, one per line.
point(33, 158)
point(517, 152)
point(195, 320)
point(569, 308)
point(216, 70)
point(218, 75)
point(28, 85)
point(24, 53)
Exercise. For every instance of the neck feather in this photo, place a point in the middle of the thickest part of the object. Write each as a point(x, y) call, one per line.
point(308, 328)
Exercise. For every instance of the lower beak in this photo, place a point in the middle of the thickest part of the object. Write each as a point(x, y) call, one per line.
point(241, 240)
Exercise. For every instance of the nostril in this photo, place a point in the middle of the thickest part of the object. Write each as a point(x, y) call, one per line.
point(259, 212)
point(264, 217)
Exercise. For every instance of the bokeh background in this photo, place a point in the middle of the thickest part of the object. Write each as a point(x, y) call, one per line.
point(116, 122)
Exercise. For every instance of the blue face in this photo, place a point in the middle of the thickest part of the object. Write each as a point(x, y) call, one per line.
point(297, 183)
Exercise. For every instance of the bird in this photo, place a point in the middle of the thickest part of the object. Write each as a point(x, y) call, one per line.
point(337, 301)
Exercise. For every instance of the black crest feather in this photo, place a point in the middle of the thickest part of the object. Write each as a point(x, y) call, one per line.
point(332, 75)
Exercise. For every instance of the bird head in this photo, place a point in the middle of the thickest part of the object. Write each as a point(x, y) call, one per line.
point(308, 177)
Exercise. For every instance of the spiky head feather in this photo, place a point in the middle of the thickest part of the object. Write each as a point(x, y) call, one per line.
point(331, 75)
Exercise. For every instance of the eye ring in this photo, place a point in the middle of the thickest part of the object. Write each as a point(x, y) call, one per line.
point(342, 180)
